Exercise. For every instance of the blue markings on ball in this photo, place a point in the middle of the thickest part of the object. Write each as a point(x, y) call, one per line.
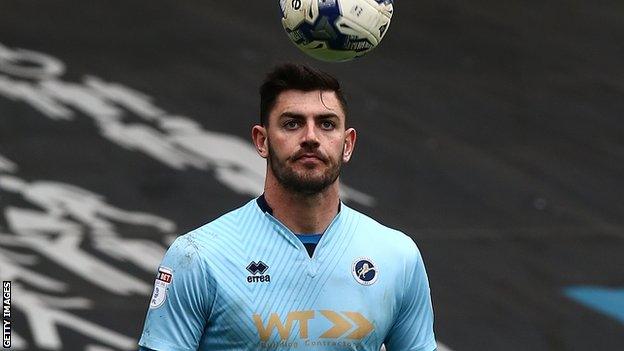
point(324, 28)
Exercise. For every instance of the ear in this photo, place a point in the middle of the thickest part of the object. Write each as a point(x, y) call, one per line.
point(349, 145)
point(260, 141)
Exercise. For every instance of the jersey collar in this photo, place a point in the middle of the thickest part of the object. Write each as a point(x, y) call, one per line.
point(264, 205)
point(285, 231)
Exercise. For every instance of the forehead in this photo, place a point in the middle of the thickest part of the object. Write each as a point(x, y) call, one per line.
point(312, 103)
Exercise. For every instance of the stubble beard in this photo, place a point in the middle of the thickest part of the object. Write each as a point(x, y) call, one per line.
point(303, 182)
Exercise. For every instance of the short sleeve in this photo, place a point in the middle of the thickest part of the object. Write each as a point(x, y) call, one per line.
point(181, 302)
point(413, 327)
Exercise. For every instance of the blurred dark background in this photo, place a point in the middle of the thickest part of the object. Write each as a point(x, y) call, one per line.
point(490, 132)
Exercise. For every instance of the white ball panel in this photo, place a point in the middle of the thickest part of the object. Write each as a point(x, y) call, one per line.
point(312, 12)
point(367, 14)
point(384, 9)
point(349, 27)
point(293, 17)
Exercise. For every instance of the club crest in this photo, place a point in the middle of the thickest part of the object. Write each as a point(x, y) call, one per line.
point(364, 271)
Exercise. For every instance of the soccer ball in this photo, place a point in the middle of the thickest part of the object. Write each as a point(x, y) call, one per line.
point(336, 30)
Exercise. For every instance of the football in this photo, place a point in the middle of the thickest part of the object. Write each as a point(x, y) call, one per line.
point(336, 30)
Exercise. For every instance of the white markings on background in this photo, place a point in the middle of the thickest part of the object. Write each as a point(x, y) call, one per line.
point(45, 315)
point(17, 342)
point(57, 221)
point(29, 64)
point(176, 141)
point(442, 347)
point(12, 268)
point(69, 214)
point(97, 348)
point(7, 165)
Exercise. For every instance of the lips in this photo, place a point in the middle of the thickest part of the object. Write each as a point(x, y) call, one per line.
point(309, 156)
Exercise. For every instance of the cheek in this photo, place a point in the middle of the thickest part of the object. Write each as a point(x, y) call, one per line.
point(336, 147)
point(282, 146)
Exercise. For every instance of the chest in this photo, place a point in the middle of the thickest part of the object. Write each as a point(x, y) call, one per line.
point(280, 296)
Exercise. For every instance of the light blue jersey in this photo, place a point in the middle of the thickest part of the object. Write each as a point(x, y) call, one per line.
point(246, 282)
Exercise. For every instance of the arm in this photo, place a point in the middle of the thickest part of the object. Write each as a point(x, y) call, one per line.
point(181, 304)
point(413, 327)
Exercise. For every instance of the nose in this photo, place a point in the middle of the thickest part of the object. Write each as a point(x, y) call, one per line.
point(310, 138)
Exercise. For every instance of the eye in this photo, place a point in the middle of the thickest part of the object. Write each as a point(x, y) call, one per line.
point(328, 125)
point(291, 124)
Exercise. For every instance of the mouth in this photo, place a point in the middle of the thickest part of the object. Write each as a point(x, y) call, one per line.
point(309, 157)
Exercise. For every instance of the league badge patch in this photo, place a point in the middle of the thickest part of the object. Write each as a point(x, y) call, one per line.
point(163, 279)
point(364, 271)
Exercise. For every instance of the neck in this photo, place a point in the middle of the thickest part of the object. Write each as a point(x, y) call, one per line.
point(302, 213)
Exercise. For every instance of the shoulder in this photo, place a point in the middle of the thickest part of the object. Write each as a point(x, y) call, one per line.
point(225, 228)
point(381, 236)
point(197, 251)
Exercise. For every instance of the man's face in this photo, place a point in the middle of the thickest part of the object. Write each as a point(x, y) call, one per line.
point(306, 140)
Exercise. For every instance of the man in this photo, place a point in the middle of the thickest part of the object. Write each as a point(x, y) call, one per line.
point(294, 269)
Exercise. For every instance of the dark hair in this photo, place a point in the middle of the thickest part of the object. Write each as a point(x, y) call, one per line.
point(297, 77)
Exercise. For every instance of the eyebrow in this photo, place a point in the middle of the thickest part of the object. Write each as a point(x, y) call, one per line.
point(302, 116)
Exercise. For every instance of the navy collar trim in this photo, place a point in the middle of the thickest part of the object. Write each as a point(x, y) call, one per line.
point(264, 206)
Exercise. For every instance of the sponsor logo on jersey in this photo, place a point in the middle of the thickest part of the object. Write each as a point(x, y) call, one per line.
point(350, 326)
point(257, 272)
point(164, 277)
point(364, 271)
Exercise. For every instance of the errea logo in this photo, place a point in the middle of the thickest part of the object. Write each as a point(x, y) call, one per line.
point(257, 272)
